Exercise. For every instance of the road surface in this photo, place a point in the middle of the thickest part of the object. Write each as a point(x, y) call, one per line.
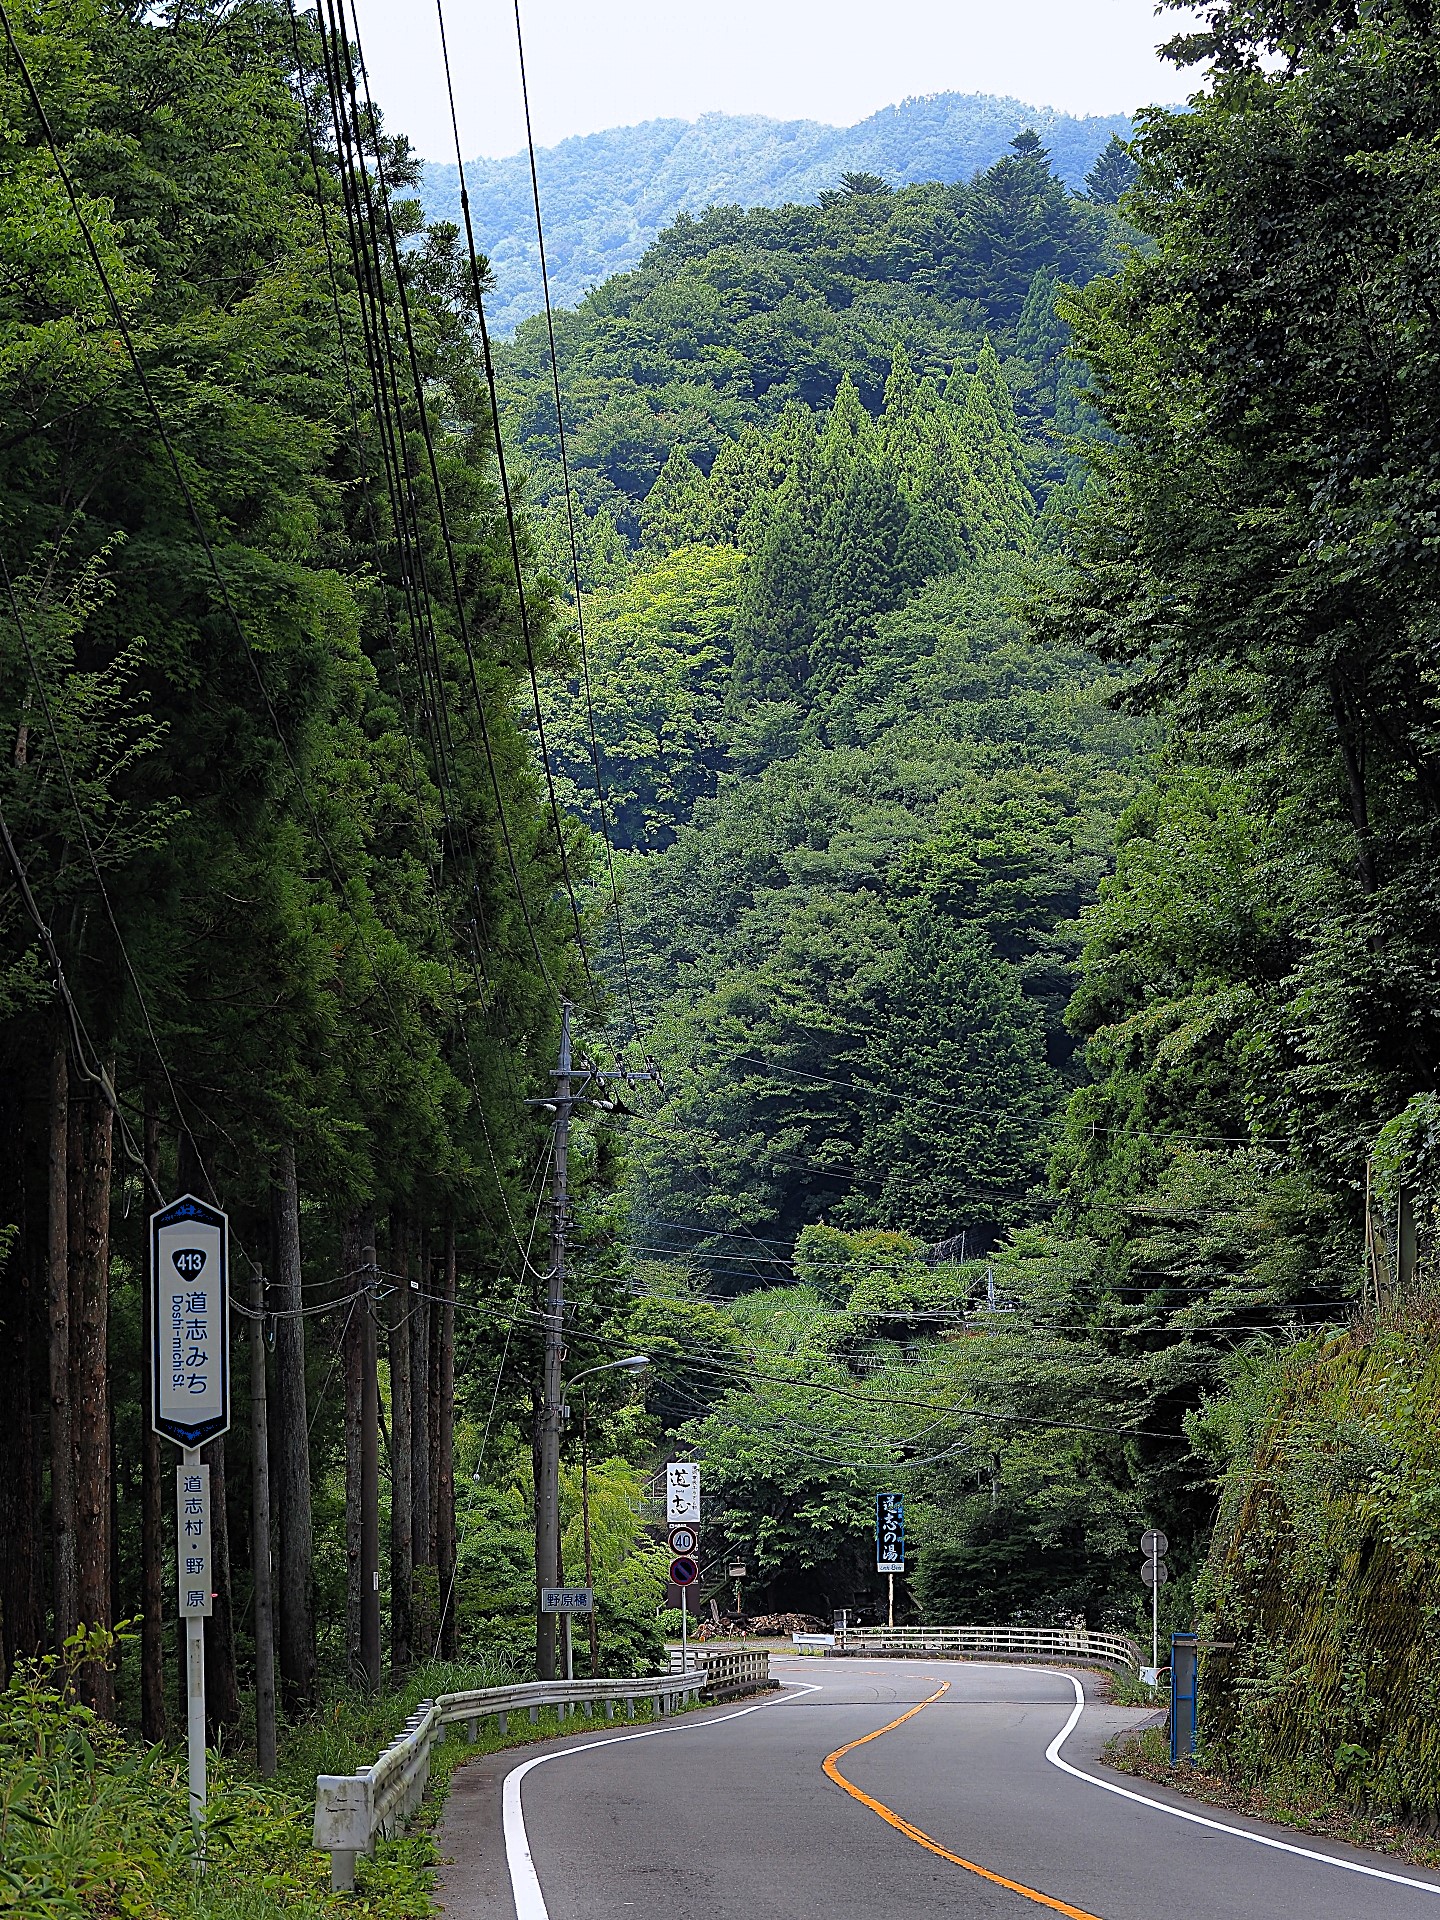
point(835, 1801)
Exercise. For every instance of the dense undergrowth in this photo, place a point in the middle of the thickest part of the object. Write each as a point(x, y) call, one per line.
point(1324, 1571)
point(93, 1823)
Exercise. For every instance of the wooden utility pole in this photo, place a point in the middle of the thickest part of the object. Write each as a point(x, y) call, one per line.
point(152, 1524)
point(548, 1419)
point(260, 1538)
point(297, 1537)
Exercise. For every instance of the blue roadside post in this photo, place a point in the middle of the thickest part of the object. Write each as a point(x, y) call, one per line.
point(1184, 1688)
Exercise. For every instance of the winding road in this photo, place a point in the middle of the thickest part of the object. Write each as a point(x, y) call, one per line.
point(875, 1787)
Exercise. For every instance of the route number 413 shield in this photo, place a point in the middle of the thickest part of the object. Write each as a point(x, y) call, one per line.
point(190, 1321)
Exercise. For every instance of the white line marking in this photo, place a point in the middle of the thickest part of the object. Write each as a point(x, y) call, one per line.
point(1052, 1754)
point(524, 1881)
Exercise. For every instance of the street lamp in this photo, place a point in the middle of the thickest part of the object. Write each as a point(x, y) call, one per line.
point(632, 1363)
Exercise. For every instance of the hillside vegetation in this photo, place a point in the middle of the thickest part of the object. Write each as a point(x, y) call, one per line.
point(986, 835)
point(607, 196)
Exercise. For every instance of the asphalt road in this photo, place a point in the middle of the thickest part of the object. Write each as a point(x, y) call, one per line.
point(729, 1814)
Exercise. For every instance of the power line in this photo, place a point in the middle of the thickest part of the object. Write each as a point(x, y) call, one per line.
point(337, 9)
point(564, 468)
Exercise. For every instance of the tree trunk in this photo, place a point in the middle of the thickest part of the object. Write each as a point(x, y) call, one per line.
point(222, 1687)
point(353, 1240)
point(420, 1512)
point(445, 1449)
point(291, 1460)
point(402, 1567)
point(23, 1381)
point(62, 1439)
point(91, 1137)
point(260, 1538)
point(152, 1496)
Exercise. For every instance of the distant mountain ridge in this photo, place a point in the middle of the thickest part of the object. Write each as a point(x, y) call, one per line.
point(607, 195)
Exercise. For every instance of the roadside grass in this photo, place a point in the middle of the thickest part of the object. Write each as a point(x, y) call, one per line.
point(1129, 1690)
point(95, 1826)
point(1307, 1809)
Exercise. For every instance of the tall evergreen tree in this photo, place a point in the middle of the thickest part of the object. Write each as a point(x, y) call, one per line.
point(863, 571)
point(775, 626)
point(953, 1137)
point(1004, 507)
point(1113, 173)
point(674, 511)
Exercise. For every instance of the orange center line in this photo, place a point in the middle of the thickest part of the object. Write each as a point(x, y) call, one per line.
point(923, 1839)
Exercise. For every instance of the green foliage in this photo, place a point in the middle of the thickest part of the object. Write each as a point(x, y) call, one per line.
point(732, 316)
point(607, 195)
point(1322, 1569)
point(658, 657)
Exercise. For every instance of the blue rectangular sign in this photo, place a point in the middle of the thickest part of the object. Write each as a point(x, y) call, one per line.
point(889, 1533)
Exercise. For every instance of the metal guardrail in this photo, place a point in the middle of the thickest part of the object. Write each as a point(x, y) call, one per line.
point(351, 1809)
point(997, 1643)
point(728, 1669)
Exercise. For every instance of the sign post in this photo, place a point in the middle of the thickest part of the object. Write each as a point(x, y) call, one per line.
point(190, 1319)
point(1154, 1572)
point(682, 1516)
point(890, 1539)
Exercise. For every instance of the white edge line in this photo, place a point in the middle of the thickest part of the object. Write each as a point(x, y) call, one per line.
point(524, 1881)
point(1052, 1754)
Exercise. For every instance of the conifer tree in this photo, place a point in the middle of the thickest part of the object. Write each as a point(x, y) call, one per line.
point(863, 567)
point(849, 431)
point(898, 428)
point(1113, 173)
point(740, 481)
point(775, 626)
point(957, 1019)
point(1004, 509)
point(675, 507)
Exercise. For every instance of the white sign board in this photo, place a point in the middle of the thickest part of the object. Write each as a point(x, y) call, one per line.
point(682, 1492)
point(567, 1600)
point(189, 1265)
point(192, 1540)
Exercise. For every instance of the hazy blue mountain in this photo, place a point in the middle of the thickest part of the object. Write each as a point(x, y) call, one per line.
point(607, 195)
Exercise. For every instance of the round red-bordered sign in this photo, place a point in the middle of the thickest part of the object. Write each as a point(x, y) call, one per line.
point(684, 1572)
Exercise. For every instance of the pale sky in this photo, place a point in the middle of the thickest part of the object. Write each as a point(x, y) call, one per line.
point(607, 63)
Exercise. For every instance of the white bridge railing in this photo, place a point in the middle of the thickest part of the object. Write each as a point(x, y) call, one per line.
point(997, 1643)
point(351, 1809)
point(728, 1669)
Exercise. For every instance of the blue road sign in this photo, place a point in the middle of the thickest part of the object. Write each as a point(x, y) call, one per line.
point(889, 1533)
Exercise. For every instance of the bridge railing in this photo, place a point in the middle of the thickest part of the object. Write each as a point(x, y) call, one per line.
point(728, 1669)
point(1073, 1644)
point(351, 1809)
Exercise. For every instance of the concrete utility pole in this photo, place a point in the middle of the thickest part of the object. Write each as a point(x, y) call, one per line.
point(547, 1449)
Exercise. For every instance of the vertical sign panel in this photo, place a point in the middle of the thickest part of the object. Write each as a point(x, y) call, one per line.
point(192, 1538)
point(190, 1273)
point(889, 1533)
point(682, 1492)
